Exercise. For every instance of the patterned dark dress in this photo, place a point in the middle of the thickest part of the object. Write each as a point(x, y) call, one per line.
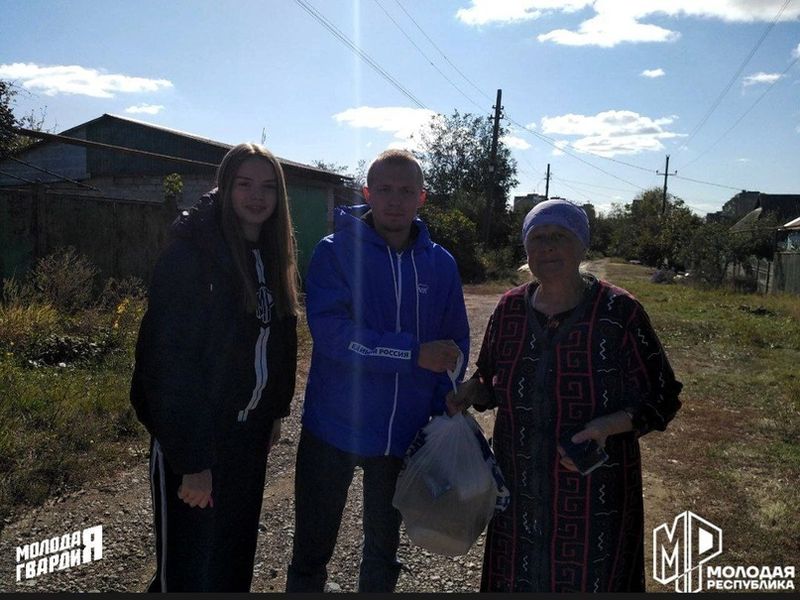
point(564, 531)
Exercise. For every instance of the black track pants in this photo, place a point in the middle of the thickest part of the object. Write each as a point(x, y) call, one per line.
point(207, 549)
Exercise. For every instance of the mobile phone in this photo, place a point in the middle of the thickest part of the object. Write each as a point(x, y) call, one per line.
point(587, 455)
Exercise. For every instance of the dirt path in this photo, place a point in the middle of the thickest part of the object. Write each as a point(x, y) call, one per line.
point(122, 506)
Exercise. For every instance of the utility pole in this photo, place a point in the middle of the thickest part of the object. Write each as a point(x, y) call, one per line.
point(487, 222)
point(547, 184)
point(666, 174)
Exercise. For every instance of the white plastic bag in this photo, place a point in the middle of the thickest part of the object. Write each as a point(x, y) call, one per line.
point(450, 485)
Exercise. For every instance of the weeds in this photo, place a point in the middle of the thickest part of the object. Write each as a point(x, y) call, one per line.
point(65, 362)
point(737, 356)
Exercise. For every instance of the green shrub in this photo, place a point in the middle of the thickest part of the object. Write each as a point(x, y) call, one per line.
point(453, 230)
point(20, 325)
point(64, 279)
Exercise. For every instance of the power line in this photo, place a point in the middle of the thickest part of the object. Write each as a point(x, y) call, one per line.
point(337, 33)
point(422, 31)
point(743, 115)
point(364, 56)
point(6, 174)
point(719, 185)
point(43, 170)
point(738, 72)
point(592, 185)
point(552, 143)
point(574, 190)
point(427, 58)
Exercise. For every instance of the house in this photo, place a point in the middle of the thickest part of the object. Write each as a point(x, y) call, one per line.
point(119, 162)
point(776, 216)
point(783, 206)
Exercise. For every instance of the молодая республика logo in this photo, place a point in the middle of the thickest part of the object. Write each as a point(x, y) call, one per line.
point(680, 553)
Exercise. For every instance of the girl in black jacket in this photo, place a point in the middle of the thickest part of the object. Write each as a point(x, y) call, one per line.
point(215, 372)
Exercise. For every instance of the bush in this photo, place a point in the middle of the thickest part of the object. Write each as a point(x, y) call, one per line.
point(453, 230)
point(51, 316)
point(56, 349)
point(117, 291)
point(497, 263)
point(64, 279)
point(20, 324)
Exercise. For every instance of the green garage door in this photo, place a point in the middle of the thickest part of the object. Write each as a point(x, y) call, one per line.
point(309, 208)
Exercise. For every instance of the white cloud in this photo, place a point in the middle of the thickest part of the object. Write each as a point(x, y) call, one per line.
point(147, 109)
point(400, 121)
point(74, 79)
point(616, 21)
point(743, 160)
point(653, 73)
point(611, 132)
point(796, 52)
point(517, 143)
point(609, 29)
point(760, 77)
point(481, 12)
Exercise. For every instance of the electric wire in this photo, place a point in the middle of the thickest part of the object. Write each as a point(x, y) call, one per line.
point(338, 34)
point(61, 177)
point(553, 143)
point(743, 115)
point(422, 31)
point(738, 72)
point(426, 57)
point(719, 185)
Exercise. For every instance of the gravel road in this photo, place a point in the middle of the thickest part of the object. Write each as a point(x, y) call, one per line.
point(121, 504)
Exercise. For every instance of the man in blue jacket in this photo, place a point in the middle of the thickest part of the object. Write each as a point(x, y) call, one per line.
point(386, 312)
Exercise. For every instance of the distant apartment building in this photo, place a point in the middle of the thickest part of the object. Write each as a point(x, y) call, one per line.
point(527, 202)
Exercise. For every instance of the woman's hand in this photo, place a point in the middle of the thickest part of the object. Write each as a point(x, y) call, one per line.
point(470, 392)
point(598, 430)
point(195, 489)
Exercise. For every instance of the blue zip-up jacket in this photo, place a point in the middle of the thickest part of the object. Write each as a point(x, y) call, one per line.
point(369, 308)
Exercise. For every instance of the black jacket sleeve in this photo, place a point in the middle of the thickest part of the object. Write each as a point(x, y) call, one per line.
point(288, 368)
point(169, 384)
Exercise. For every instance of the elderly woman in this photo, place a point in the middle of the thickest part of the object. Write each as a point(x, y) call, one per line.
point(566, 358)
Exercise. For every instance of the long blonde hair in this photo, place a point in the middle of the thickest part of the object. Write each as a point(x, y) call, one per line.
point(276, 239)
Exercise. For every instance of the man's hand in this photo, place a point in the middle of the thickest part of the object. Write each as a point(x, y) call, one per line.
point(438, 356)
point(195, 489)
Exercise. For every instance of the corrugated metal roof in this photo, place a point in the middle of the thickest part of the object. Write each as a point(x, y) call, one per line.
point(331, 176)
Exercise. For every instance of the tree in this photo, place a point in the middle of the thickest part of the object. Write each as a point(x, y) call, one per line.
point(455, 154)
point(357, 180)
point(640, 230)
point(10, 140)
point(7, 120)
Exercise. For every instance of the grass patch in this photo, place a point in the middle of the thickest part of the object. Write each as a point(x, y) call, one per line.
point(737, 355)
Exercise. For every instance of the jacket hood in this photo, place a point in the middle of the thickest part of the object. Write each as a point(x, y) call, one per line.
point(202, 225)
point(200, 221)
point(350, 219)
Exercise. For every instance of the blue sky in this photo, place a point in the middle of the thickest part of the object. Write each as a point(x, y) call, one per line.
point(615, 84)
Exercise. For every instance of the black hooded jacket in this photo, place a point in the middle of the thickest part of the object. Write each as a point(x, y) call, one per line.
point(194, 372)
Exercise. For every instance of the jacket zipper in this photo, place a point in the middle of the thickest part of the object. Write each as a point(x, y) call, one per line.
point(397, 330)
